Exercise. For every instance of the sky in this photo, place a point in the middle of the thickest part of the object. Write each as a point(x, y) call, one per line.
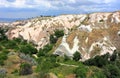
point(34, 8)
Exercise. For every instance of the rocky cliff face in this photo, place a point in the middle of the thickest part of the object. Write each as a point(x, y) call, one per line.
point(90, 34)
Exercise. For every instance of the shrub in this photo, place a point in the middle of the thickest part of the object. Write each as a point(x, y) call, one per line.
point(45, 50)
point(46, 63)
point(81, 71)
point(53, 39)
point(112, 71)
point(1, 62)
point(98, 61)
point(76, 56)
point(66, 58)
point(3, 57)
point(96, 73)
point(28, 49)
point(101, 20)
point(2, 34)
point(25, 69)
point(18, 40)
point(10, 44)
point(15, 72)
point(113, 57)
point(57, 34)
point(28, 58)
point(40, 53)
point(3, 72)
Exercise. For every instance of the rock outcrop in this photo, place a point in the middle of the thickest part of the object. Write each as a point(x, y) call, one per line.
point(90, 34)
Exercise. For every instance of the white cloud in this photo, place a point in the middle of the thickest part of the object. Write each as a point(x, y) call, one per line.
point(19, 3)
point(85, 5)
point(72, 1)
point(15, 4)
point(102, 1)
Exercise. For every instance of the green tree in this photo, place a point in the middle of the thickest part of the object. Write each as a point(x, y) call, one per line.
point(28, 49)
point(112, 71)
point(53, 39)
point(81, 71)
point(98, 61)
point(45, 50)
point(40, 53)
point(2, 34)
point(59, 33)
point(77, 56)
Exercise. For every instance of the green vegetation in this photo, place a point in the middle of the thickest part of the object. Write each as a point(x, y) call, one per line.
point(2, 34)
point(57, 34)
point(105, 66)
point(28, 49)
point(98, 61)
point(77, 56)
point(108, 63)
point(112, 71)
point(81, 71)
point(3, 72)
point(101, 20)
point(25, 69)
point(44, 51)
point(3, 57)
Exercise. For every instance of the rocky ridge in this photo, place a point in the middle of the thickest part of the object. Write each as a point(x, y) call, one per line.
point(90, 34)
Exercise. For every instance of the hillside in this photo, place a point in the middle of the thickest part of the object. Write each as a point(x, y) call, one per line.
point(85, 33)
point(65, 46)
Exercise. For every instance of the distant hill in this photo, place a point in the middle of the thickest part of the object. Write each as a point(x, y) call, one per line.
point(10, 19)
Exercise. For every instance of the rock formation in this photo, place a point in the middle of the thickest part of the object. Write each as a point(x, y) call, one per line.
point(90, 34)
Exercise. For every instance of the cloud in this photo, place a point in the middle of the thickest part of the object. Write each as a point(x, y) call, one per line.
point(50, 3)
point(58, 6)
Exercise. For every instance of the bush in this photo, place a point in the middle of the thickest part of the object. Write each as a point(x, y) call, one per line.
point(18, 40)
point(3, 72)
point(40, 53)
point(53, 39)
point(81, 71)
point(46, 63)
point(15, 72)
point(28, 49)
point(3, 57)
point(113, 57)
point(25, 69)
point(112, 71)
point(76, 56)
point(1, 62)
point(10, 44)
point(66, 58)
point(57, 34)
point(27, 58)
point(45, 50)
point(98, 61)
point(96, 73)
point(2, 34)
point(101, 20)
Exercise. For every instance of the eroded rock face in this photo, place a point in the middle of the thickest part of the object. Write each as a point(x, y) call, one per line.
point(90, 34)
